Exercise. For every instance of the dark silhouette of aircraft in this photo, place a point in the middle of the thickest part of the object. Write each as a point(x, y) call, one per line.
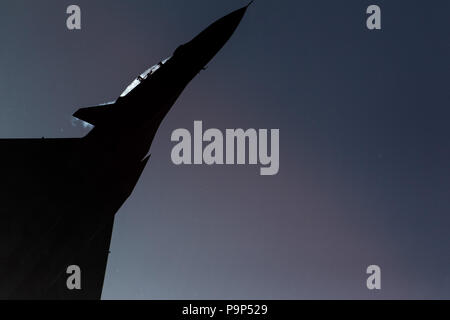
point(60, 196)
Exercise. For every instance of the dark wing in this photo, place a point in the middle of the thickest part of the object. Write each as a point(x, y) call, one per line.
point(57, 210)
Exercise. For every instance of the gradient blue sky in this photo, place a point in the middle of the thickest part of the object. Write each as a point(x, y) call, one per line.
point(364, 151)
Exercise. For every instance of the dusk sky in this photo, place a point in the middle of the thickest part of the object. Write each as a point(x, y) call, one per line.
point(363, 116)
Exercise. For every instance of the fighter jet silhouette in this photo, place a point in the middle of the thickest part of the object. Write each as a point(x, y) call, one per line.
point(59, 196)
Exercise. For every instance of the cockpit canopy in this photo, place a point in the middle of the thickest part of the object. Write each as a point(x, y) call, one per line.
point(142, 77)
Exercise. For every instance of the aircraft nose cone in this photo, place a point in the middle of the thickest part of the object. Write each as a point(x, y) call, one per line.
point(206, 45)
point(225, 27)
